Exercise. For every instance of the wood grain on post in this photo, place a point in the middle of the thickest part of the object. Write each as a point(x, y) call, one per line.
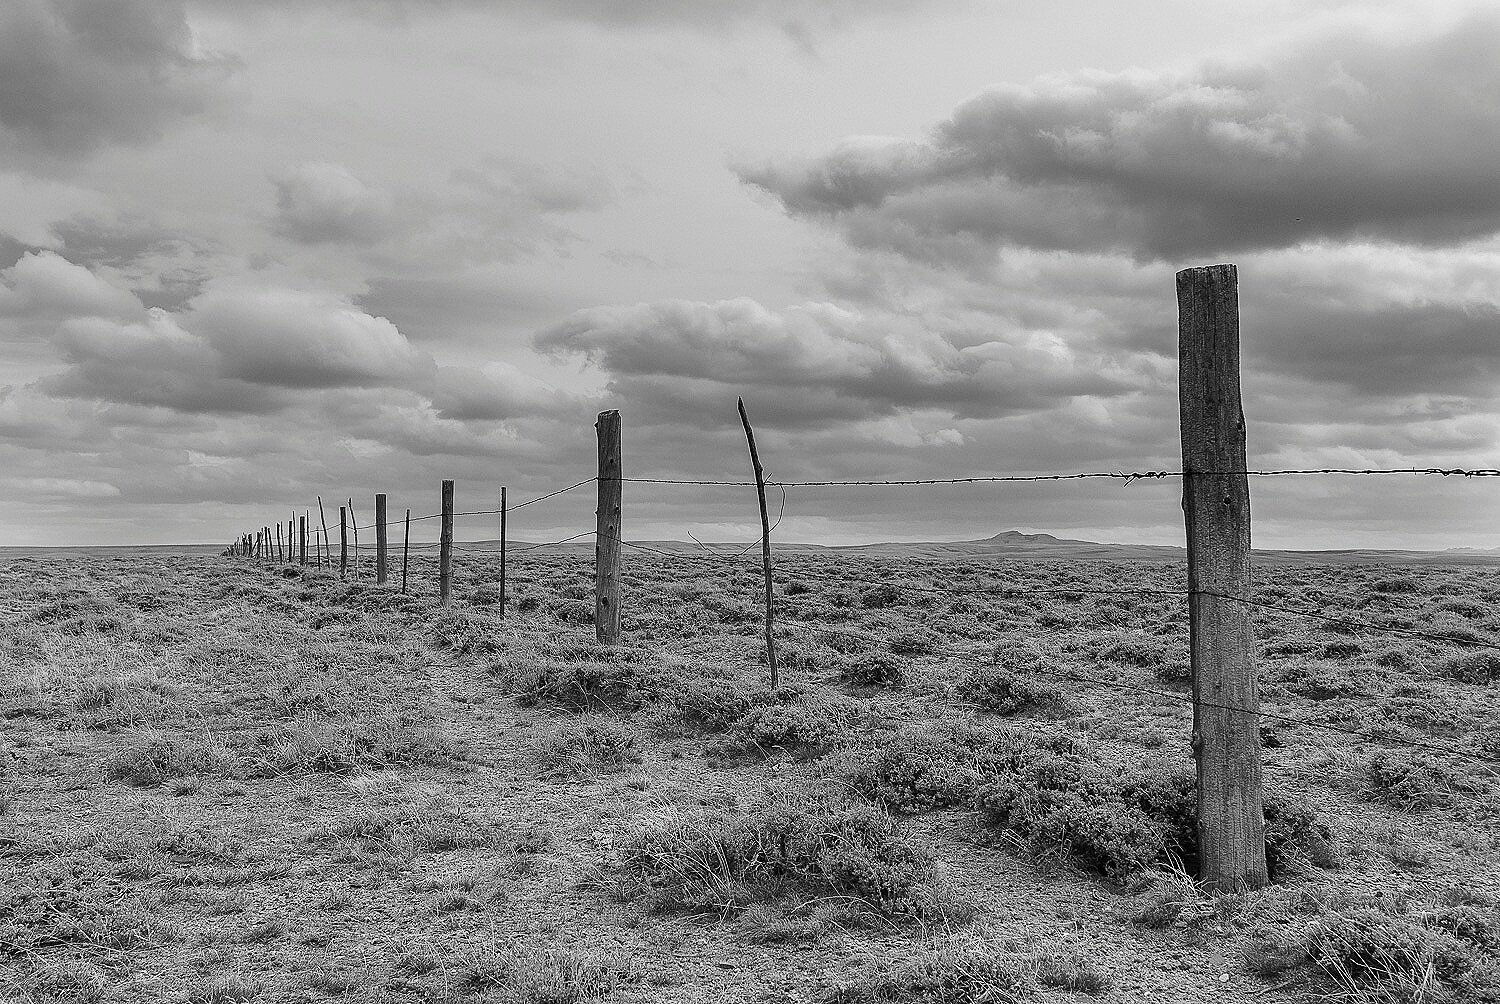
point(380, 538)
point(302, 539)
point(502, 551)
point(765, 543)
point(1216, 509)
point(445, 548)
point(607, 531)
point(405, 552)
point(343, 541)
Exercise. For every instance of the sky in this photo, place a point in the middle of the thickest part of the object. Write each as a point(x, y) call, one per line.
point(254, 252)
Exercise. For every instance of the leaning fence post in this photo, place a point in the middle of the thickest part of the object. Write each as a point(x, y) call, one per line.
point(502, 550)
point(445, 547)
point(1216, 510)
point(343, 541)
point(607, 531)
point(405, 552)
point(765, 542)
point(278, 540)
point(380, 538)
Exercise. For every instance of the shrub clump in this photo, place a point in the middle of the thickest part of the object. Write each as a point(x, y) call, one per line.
point(588, 747)
point(1121, 824)
point(794, 842)
point(1009, 685)
point(1412, 784)
point(805, 726)
point(927, 767)
point(872, 669)
point(1472, 667)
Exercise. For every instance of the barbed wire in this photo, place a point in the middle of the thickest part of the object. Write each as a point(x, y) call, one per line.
point(1127, 476)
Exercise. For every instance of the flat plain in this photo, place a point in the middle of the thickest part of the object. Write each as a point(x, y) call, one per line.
point(225, 780)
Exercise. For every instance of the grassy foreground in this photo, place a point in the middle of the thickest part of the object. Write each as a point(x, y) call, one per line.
point(223, 781)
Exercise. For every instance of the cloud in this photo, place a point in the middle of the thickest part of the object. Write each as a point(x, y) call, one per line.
point(496, 392)
point(76, 74)
point(1348, 136)
point(819, 362)
point(289, 338)
point(232, 349)
point(497, 210)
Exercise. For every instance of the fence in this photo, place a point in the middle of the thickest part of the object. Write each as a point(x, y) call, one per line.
point(1226, 738)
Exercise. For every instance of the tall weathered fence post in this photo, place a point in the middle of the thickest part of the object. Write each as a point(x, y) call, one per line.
point(406, 552)
point(1216, 509)
point(607, 531)
point(502, 550)
point(380, 538)
point(326, 543)
point(302, 539)
point(343, 541)
point(765, 542)
point(354, 528)
point(445, 547)
point(278, 540)
point(291, 529)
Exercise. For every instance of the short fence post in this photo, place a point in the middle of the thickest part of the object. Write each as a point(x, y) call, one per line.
point(607, 531)
point(1216, 510)
point(502, 551)
point(380, 538)
point(291, 528)
point(278, 540)
point(445, 548)
point(302, 538)
point(765, 542)
point(343, 541)
point(405, 552)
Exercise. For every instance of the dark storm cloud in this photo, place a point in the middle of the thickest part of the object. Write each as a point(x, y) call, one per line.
point(75, 74)
point(1344, 137)
point(820, 361)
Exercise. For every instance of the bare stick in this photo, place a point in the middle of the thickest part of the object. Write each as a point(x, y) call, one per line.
point(1216, 510)
point(765, 542)
point(502, 551)
point(380, 538)
point(405, 552)
point(445, 548)
point(607, 531)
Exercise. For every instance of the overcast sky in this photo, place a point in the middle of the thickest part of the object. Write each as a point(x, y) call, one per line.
point(253, 251)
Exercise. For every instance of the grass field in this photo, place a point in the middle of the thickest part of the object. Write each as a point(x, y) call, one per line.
point(223, 781)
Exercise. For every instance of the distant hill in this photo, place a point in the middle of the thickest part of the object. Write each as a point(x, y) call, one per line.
point(1009, 544)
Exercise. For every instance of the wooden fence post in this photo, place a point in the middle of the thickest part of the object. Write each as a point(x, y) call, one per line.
point(405, 552)
point(380, 538)
point(445, 548)
point(326, 542)
point(502, 550)
point(607, 531)
point(765, 543)
point(278, 540)
point(343, 541)
point(291, 527)
point(354, 529)
point(302, 539)
point(1216, 510)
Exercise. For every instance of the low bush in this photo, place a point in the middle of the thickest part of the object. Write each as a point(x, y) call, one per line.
point(1472, 667)
point(789, 842)
point(524, 974)
point(879, 597)
point(803, 725)
point(1005, 691)
point(1413, 784)
point(872, 669)
point(927, 766)
point(1119, 824)
point(581, 748)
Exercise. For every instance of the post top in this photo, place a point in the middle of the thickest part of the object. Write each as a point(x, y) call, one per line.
point(1202, 269)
